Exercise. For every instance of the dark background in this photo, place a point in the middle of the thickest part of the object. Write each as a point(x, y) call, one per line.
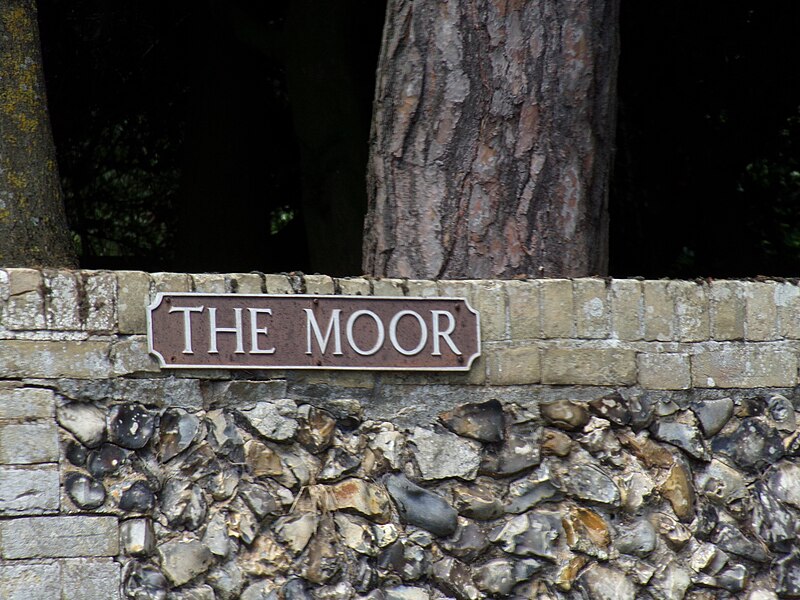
point(232, 135)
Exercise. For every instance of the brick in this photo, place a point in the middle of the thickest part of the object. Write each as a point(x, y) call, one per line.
point(245, 283)
point(659, 311)
point(25, 306)
point(59, 537)
point(588, 366)
point(524, 318)
point(387, 287)
point(90, 579)
point(740, 366)
point(761, 313)
point(210, 283)
point(355, 286)
point(664, 371)
point(626, 309)
point(172, 282)
point(490, 301)
point(62, 301)
point(421, 288)
point(100, 301)
point(26, 403)
point(28, 443)
point(28, 490)
point(726, 299)
point(787, 300)
point(21, 281)
point(557, 308)
point(5, 290)
point(319, 284)
point(513, 366)
point(591, 308)
point(133, 296)
point(691, 311)
point(54, 359)
point(278, 284)
point(131, 355)
point(39, 581)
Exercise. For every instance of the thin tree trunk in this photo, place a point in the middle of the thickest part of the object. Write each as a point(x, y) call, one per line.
point(33, 225)
point(492, 139)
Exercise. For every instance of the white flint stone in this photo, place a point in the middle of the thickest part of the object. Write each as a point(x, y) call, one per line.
point(443, 455)
point(274, 420)
point(85, 421)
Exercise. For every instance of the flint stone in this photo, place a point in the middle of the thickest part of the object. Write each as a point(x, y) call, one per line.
point(454, 577)
point(265, 558)
point(259, 499)
point(295, 531)
point(468, 543)
point(85, 492)
point(243, 523)
point(143, 582)
point(274, 420)
point(182, 561)
point(223, 436)
point(612, 407)
point(788, 576)
point(338, 463)
point(519, 452)
point(137, 498)
point(261, 590)
point(316, 428)
point(261, 460)
point(499, 576)
point(670, 582)
point(178, 430)
point(534, 534)
point(85, 421)
point(753, 446)
point(642, 409)
point(216, 537)
point(731, 540)
point(226, 580)
point(713, 414)
point(76, 453)
point(443, 455)
point(137, 537)
point(586, 532)
point(526, 493)
point(682, 432)
point(203, 592)
point(477, 501)
point(639, 539)
point(556, 443)
point(784, 482)
point(721, 484)
point(565, 414)
point(733, 579)
point(678, 490)
point(367, 499)
point(773, 521)
point(409, 561)
point(321, 563)
point(781, 412)
point(355, 533)
point(183, 504)
point(604, 583)
point(404, 592)
point(589, 482)
point(421, 507)
point(675, 534)
point(105, 460)
point(483, 421)
point(130, 426)
point(295, 589)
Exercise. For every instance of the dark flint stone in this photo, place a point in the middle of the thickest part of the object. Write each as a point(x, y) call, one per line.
point(519, 452)
point(705, 522)
point(130, 425)
point(177, 432)
point(421, 507)
point(612, 407)
point(781, 411)
point(295, 589)
point(565, 414)
point(137, 498)
point(749, 407)
point(483, 421)
point(683, 432)
point(642, 410)
point(76, 453)
point(183, 504)
point(455, 578)
point(733, 579)
point(713, 414)
point(143, 582)
point(773, 521)
point(733, 541)
point(753, 446)
point(788, 575)
point(338, 463)
point(259, 499)
point(106, 460)
point(365, 578)
point(84, 491)
point(223, 436)
point(468, 543)
point(405, 559)
point(316, 429)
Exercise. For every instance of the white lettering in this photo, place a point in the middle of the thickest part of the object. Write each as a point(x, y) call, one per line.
point(254, 330)
point(423, 333)
point(322, 342)
point(381, 333)
point(437, 333)
point(187, 324)
point(215, 331)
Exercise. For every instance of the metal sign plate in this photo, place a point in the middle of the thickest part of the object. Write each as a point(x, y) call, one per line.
point(241, 331)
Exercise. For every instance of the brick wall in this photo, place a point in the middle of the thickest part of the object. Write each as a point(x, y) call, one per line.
point(80, 335)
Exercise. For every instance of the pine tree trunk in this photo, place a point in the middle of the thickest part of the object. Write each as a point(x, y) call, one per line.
point(33, 225)
point(492, 139)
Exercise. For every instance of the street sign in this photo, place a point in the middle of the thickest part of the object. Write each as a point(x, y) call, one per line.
point(292, 331)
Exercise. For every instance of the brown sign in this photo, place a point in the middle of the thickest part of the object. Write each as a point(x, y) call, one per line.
point(238, 331)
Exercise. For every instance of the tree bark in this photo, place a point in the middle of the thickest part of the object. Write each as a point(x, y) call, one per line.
point(33, 224)
point(492, 139)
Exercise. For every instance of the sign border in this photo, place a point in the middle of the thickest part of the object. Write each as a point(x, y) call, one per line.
point(159, 297)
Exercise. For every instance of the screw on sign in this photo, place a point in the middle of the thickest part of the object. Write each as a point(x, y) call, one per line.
point(305, 332)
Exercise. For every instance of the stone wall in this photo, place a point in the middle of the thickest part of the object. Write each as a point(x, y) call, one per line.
point(617, 439)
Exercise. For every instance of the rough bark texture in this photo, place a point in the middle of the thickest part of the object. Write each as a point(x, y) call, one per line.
point(33, 225)
point(492, 139)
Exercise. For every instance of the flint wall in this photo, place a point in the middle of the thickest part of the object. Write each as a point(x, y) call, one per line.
point(662, 464)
